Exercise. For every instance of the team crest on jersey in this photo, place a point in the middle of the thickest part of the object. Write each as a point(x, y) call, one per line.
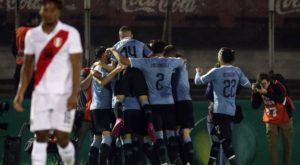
point(57, 42)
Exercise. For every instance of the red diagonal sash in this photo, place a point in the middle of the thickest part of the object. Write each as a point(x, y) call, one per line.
point(48, 53)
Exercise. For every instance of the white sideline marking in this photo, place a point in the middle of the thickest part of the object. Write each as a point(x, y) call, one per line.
point(198, 122)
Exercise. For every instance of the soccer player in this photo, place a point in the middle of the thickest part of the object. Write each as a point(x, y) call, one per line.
point(225, 80)
point(183, 106)
point(158, 71)
point(101, 109)
point(53, 50)
point(132, 81)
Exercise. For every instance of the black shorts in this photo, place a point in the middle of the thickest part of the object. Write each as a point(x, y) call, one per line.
point(184, 114)
point(164, 117)
point(133, 122)
point(131, 83)
point(102, 120)
point(221, 126)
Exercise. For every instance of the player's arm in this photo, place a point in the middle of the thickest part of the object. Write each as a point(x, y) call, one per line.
point(26, 76)
point(147, 53)
point(208, 77)
point(197, 79)
point(76, 66)
point(244, 81)
point(123, 60)
point(107, 67)
point(85, 81)
point(103, 80)
point(75, 54)
point(256, 99)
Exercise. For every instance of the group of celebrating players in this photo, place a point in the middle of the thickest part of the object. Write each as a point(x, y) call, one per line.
point(148, 87)
point(137, 94)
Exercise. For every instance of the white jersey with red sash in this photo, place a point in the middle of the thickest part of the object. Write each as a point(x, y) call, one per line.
point(53, 76)
point(53, 71)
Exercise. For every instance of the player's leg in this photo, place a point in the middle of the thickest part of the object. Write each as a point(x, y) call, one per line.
point(134, 124)
point(103, 125)
point(148, 145)
point(39, 150)
point(118, 106)
point(169, 116)
point(128, 150)
point(140, 88)
point(62, 121)
point(138, 154)
point(148, 149)
point(159, 144)
point(116, 152)
point(65, 147)
point(105, 147)
point(40, 124)
point(222, 132)
point(186, 121)
point(93, 155)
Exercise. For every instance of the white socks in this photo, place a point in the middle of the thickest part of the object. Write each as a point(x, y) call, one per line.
point(67, 154)
point(39, 153)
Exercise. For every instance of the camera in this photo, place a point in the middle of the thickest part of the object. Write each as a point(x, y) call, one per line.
point(258, 86)
point(4, 107)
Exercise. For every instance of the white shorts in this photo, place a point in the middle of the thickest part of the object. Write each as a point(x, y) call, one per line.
point(49, 112)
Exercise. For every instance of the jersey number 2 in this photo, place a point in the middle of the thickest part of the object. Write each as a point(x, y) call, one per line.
point(160, 77)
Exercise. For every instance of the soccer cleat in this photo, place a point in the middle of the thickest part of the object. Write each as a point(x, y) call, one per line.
point(151, 131)
point(118, 125)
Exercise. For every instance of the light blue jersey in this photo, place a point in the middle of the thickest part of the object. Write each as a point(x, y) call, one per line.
point(225, 81)
point(132, 48)
point(158, 72)
point(131, 103)
point(101, 95)
point(181, 84)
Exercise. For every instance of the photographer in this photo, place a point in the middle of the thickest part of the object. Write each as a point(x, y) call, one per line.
point(277, 115)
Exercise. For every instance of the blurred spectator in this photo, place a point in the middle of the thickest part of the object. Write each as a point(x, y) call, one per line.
point(18, 50)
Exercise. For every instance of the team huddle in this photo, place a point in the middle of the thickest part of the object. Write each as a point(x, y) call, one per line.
point(152, 106)
point(135, 97)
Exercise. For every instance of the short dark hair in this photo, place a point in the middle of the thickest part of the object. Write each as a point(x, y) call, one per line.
point(227, 54)
point(263, 76)
point(158, 46)
point(170, 48)
point(58, 3)
point(99, 51)
point(125, 29)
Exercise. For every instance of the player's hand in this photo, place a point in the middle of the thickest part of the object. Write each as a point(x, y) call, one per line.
point(109, 51)
point(72, 102)
point(262, 91)
point(199, 69)
point(253, 87)
point(18, 100)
